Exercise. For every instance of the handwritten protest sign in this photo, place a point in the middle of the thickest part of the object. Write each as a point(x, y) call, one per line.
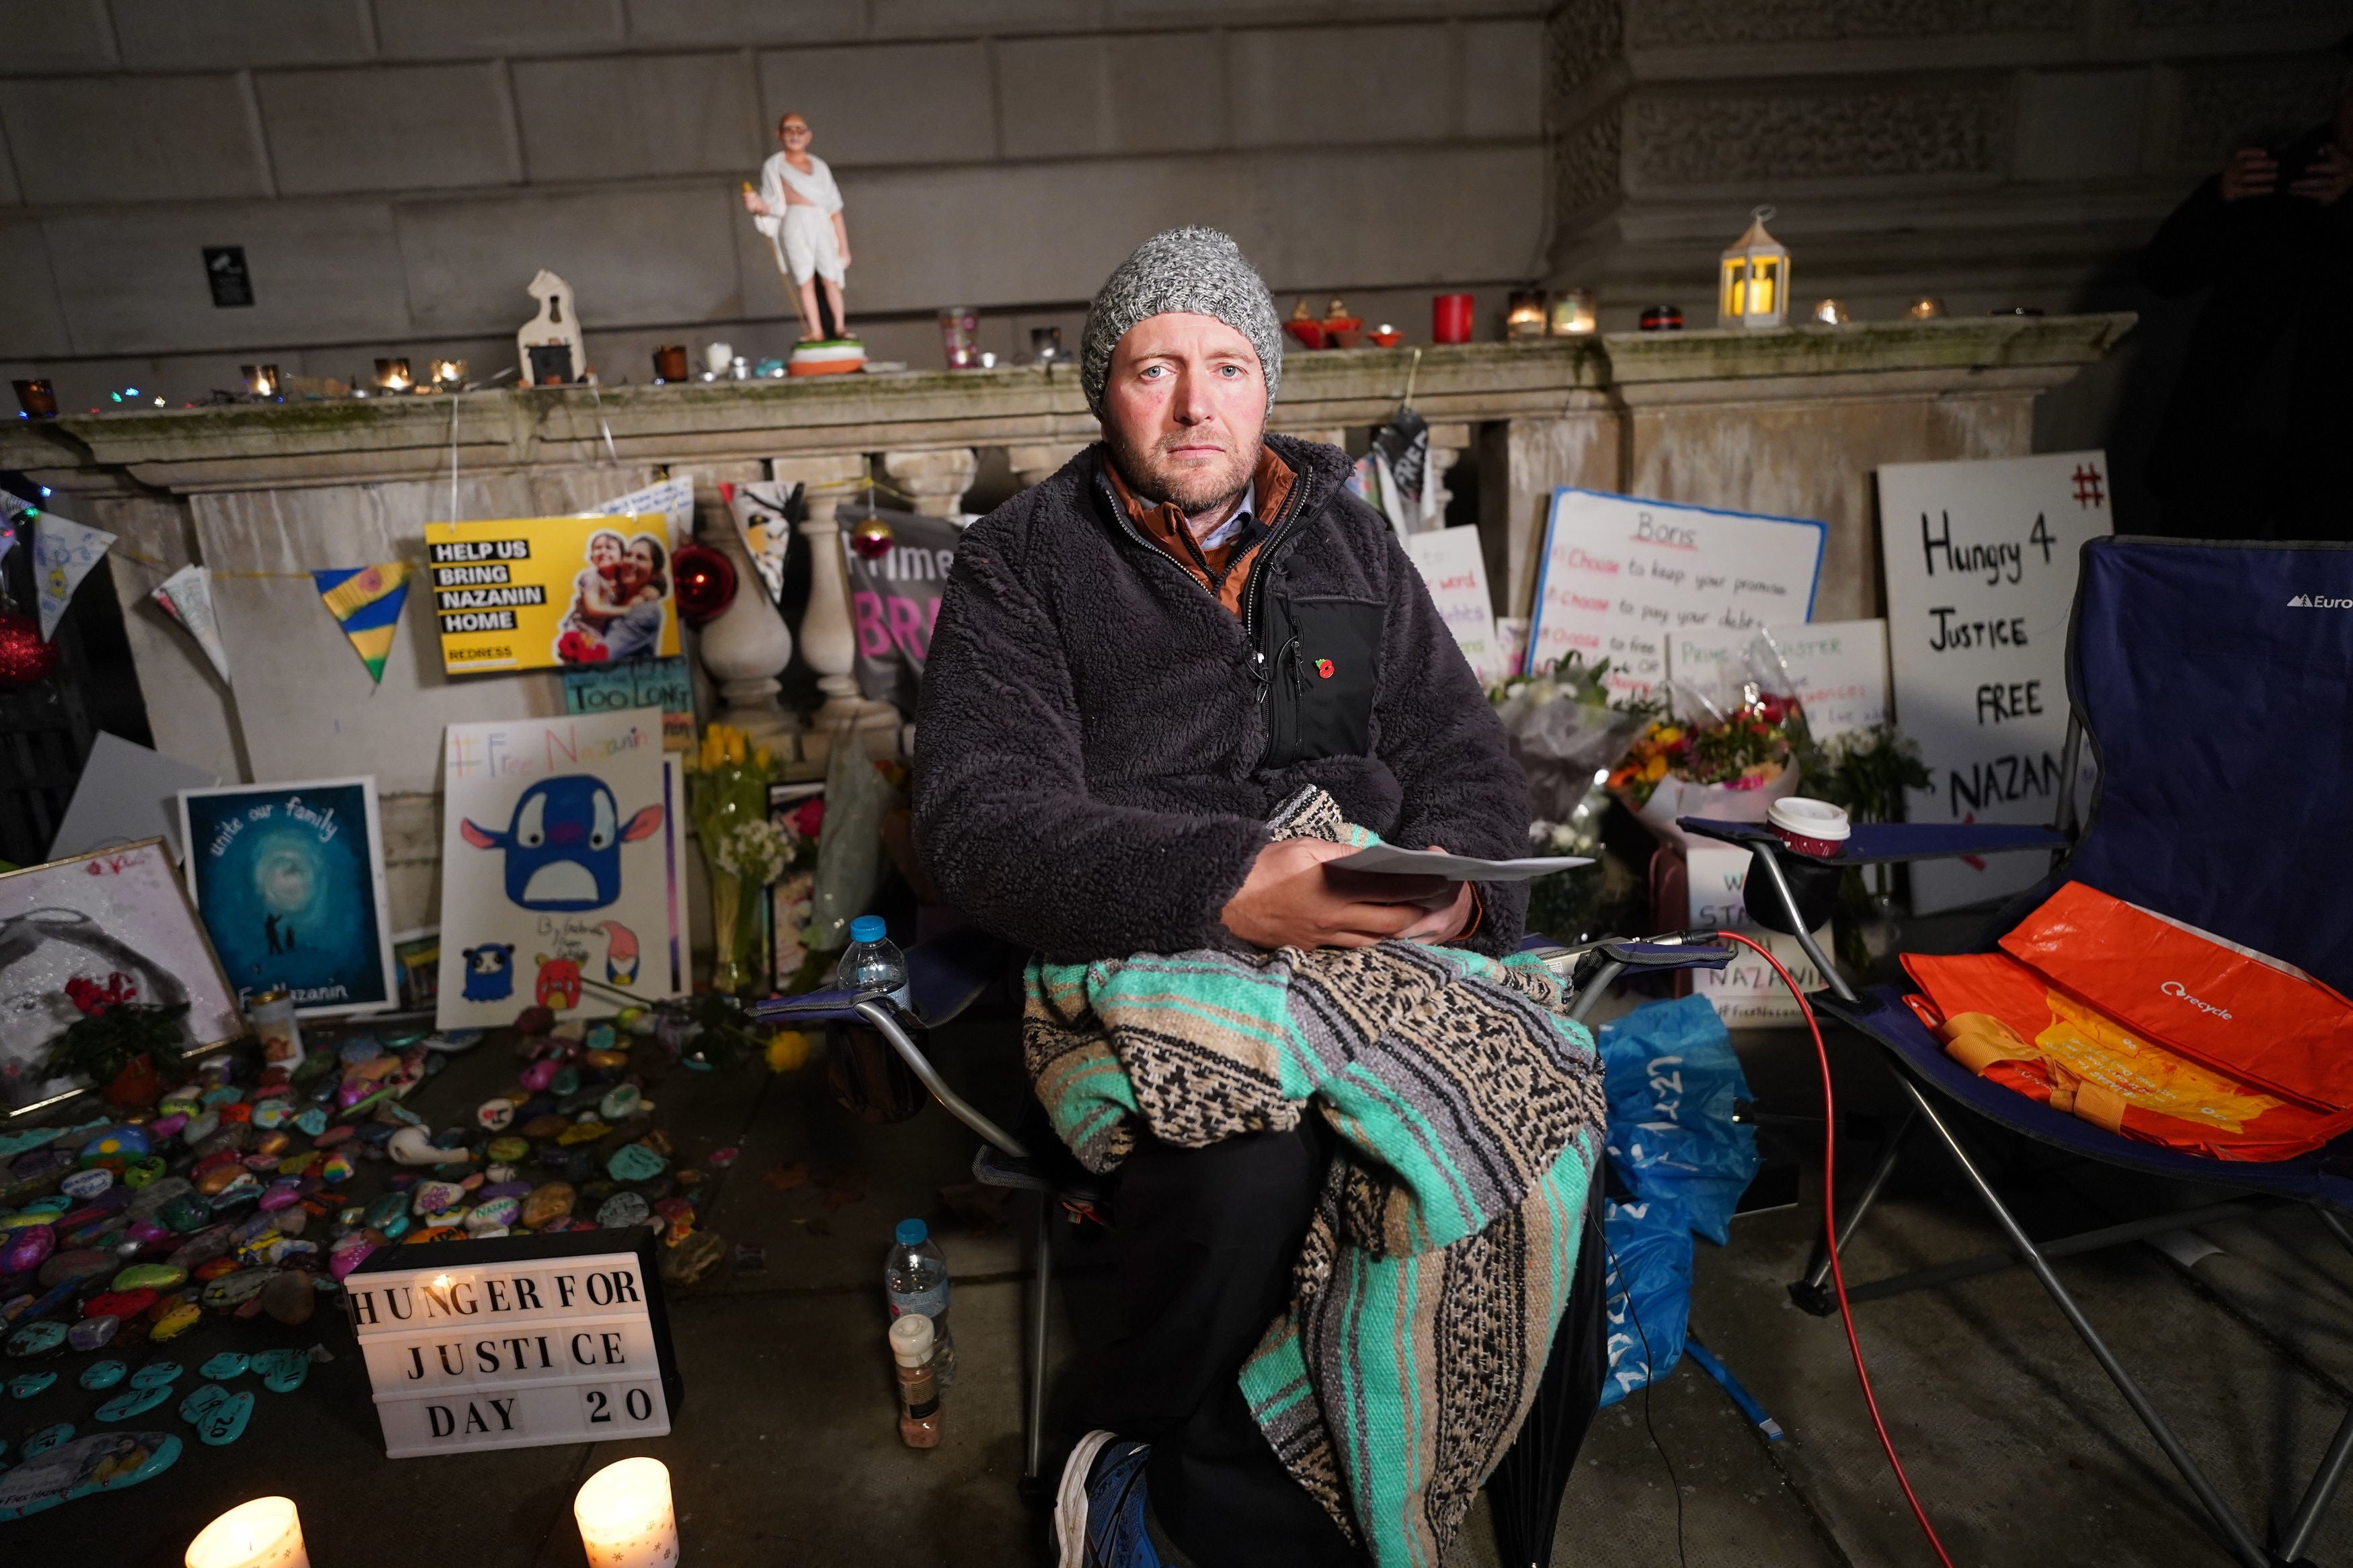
point(1455, 573)
point(1622, 578)
point(1981, 562)
point(1841, 671)
point(1745, 993)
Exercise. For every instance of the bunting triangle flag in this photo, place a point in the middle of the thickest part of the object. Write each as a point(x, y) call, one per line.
point(187, 595)
point(11, 510)
point(366, 602)
point(63, 553)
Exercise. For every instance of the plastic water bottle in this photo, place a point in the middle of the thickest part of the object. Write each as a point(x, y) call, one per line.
point(916, 1280)
point(870, 964)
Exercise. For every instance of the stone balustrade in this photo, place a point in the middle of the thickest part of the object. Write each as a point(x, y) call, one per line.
point(1791, 421)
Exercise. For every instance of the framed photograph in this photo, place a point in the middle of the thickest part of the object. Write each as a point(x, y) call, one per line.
point(118, 918)
point(289, 881)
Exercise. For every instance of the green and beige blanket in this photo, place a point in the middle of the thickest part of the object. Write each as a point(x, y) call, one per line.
point(1469, 1115)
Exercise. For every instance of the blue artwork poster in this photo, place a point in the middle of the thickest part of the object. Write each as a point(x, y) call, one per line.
point(289, 881)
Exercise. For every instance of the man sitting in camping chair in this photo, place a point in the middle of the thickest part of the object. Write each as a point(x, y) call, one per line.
point(1168, 686)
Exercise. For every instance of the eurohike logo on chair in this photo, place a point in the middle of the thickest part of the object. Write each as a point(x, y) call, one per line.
point(2319, 602)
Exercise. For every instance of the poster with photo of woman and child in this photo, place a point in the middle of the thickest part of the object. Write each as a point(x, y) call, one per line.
point(564, 592)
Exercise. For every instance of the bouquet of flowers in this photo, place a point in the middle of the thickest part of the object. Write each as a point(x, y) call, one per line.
point(1565, 728)
point(727, 793)
point(1728, 759)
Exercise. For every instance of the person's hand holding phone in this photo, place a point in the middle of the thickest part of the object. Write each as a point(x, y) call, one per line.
point(2250, 172)
point(2327, 178)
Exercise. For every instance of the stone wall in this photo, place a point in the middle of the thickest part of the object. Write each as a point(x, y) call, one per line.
point(396, 170)
point(1990, 152)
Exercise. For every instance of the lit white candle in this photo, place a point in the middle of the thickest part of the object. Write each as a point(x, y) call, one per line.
point(624, 1516)
point(264, 1533)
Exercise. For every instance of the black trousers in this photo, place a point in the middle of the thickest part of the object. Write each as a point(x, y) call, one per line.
point(1210, 1235)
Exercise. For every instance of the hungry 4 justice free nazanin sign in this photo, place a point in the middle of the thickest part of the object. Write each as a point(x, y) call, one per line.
point(516, 1342)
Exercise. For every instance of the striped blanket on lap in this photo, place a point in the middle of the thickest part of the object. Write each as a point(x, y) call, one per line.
point(1469, 1115)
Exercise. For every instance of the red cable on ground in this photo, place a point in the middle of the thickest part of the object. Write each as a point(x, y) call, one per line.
point(1829, 1222)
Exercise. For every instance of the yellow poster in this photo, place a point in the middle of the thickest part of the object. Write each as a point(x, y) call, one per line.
point(533, 593)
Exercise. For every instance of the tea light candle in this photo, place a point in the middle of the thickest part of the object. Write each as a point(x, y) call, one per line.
point(624, 1516)
point(392, 375)
point(450, 373)
point(264, 1533)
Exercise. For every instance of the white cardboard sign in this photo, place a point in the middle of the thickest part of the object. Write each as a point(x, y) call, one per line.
point(1622, 578)
point(1455, 573)
point(1980, 560)
point(510, 1355)
point(1745, 993)
point(1840, 670)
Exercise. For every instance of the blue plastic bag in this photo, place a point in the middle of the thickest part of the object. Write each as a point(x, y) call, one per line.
point(1673, 1146)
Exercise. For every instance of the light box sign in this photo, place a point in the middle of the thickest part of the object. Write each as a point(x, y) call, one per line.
point(516, 1342)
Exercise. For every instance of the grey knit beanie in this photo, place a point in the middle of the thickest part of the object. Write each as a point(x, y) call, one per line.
point(1197, 270)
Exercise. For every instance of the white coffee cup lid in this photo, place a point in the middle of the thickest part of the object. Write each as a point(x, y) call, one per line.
point(1808, 819)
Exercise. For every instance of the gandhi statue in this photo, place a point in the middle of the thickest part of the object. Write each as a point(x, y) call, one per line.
point(798, 207)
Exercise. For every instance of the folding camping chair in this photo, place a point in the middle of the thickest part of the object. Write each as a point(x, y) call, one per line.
point(2186, 663)
point(950, 973)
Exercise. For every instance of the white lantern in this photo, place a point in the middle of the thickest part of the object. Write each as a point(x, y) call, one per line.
point(1755, 286)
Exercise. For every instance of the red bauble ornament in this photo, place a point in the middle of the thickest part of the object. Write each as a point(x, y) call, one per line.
point(25, 659)
point(706, 583)
point(870, 539)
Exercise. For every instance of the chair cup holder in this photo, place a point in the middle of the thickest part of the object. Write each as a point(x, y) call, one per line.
point(1814, 886)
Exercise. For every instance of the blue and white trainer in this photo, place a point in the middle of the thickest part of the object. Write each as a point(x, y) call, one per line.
point(1099, 1509)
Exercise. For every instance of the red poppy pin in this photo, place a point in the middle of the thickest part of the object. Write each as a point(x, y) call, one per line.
point(1323, 668)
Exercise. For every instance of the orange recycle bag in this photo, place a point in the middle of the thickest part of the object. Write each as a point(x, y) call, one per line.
point(2250, 1018)
point(2008, 1023)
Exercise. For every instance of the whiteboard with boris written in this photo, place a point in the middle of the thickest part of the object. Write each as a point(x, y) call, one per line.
point(1622, 578)
point(1981, 562)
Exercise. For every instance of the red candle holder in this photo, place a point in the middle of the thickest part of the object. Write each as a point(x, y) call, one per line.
point(1452, 317)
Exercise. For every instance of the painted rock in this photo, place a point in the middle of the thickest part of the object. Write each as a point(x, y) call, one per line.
point(273, 1144)
point(282, 1370)
point(336, 1168)
point(155, 1195)
point(234, 1136)
point(436, 1197)
point(147, 1233)
point(124, 1143)
point(450, 1042)
point(92, 1333)
point(565, 1081)
point(599, 1037)
point(539, 1074)
point(620, 1211)
point(432, 1232)
point(101, 1375)
point(507, 1150)
point(388, 1207)
point(509, 1188)
point(621, 1103)
point(144, 1173)
point(169, 1124)
point(26, 1384)
point(25, 1248)
point(331, 1136)
point(341, 1263)
point(207, 1244)
point(202, 1400)
point(547, 1125)
point(288, 1298)
point(43, 1338)
point(219, 1178)
point(415, 1146)
point(86, 1183)
point(178, 1319)
point(226, 1365)
point(494, 1115)
point(280, 1194)
point(104, 1461)
point(187, 1214)
point(260, 1164)
point(206, 1273)
point(634, 1162)
point(287, 1248)
point(271, 1114)
point(498, 1213)
point(85, 1263)
point(583, 1132)
point(157, 1375)
point(607, 1060)
point(311, 1121)
point(238, 1194)
point(233, 1290)
point(46, 1438)
point(693, 1260)
point(134, 1402)
point(301, 1165)
point(157, 1276)
point(225, 1423)
point(201, 1126)
point(222, 1094)
point(118, 1304)
point(550, 1202)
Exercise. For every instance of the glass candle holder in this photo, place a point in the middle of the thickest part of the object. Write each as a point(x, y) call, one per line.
point(1575, 314)
point(37, 399)
point(669, 363)
point(1524, 314)
point(959, 336)
point(392, 376)
point(260, 380)
point(624, 1516)
point(264, 1533)
point(1451, 318)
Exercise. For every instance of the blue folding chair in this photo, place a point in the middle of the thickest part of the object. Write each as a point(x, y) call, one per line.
point(950, 973)
point(2187, 663)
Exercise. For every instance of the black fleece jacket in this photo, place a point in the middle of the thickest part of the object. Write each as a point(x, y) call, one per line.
point(1100, 741)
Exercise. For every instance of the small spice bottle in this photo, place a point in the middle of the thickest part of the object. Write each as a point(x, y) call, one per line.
point(919, 1389)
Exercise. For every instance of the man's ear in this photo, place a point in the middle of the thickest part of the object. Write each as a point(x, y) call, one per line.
point(645, 824)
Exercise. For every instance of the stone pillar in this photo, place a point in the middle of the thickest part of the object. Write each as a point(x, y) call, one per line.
point(828, 637)
point(1036, 464)
point(1447, 445)
point(1521, 462)
point(935, 480)
point(747, 645)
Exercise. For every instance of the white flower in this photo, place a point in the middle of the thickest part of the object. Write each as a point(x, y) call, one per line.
point(756, 850)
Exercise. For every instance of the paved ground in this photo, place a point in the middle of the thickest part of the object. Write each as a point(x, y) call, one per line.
point(786, 1450)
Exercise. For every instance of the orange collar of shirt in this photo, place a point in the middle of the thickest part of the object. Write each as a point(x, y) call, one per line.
point(1223, 569)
